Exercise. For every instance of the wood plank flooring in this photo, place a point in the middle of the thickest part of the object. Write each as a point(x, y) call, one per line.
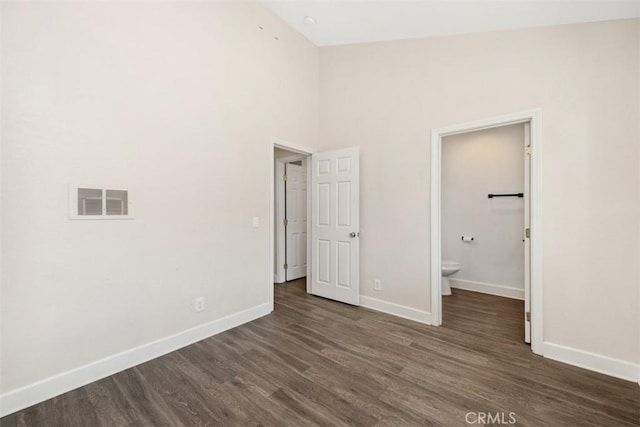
point(484, 315)
point(318, 362)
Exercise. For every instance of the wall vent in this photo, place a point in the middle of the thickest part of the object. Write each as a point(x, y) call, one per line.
point(92, 202)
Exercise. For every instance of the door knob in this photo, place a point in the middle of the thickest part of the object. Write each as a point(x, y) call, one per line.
point(354, 234)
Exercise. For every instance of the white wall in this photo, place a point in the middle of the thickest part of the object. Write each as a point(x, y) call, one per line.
point(386, 97)
point(475, 164)
point(1, 202)
point(176, 101)
point(638, 124)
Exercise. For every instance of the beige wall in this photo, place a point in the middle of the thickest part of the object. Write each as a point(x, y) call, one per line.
point(386, 97)
point(475, 164)
point(176, 101)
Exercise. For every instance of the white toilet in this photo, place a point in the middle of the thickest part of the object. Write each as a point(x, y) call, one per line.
point(448, 268)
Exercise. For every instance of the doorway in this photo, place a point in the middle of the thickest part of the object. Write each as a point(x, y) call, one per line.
point(291, 200)
point(532, 232)
point(332, 220)
point(484, 193)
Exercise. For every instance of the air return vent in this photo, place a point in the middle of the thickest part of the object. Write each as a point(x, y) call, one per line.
point(90, 202)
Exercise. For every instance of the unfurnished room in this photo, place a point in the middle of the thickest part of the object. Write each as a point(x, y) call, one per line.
point(336, 213)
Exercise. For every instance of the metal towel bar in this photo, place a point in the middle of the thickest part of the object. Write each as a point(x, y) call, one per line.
point(491, 196)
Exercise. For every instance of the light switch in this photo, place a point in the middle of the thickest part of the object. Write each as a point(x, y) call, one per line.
point(256, 221)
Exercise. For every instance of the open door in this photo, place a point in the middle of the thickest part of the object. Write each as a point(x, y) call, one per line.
point(527, 234)
point(296, 221)
point(335, 225)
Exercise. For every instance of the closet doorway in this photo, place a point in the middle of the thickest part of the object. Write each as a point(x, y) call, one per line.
point(291, 198)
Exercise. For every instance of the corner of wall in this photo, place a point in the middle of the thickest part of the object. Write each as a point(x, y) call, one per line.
point(47, 388)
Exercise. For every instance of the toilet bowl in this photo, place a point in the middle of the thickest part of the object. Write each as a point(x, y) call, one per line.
point(448, 268)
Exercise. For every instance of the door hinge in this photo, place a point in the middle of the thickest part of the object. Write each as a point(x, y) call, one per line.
point(528, 316)
point(527, 233)
point(284, 178)
point(285, 222)
point(527, 149)
point(286, 266)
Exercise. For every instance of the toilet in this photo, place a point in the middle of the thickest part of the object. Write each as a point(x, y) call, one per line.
point(448, 268)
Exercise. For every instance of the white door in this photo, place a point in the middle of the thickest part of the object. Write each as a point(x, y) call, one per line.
point(526, 239)
point(296, 221)
point(335, 223)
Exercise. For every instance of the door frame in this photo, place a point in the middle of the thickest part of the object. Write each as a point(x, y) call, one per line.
point(305, 152)
point(280, 275)
point(534, 117)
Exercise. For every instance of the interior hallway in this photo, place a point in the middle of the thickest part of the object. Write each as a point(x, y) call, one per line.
point(319, 362)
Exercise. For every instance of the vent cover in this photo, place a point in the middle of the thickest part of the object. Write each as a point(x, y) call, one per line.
point(117, 202)
point(88, 202)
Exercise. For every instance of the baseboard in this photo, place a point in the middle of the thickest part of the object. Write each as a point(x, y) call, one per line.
point(594, 362)
point(487, 288)
point(396, 309)
point(31, 394)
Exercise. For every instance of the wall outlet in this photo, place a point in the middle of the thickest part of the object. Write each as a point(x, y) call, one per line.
point(256, 222)
point(377, 284)
point(199, 304)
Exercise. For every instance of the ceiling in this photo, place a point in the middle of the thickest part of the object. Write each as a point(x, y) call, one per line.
point(360, 21)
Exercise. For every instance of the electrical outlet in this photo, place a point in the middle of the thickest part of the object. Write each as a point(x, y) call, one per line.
point(377, 284)
point(199, 304)
point(256, 222)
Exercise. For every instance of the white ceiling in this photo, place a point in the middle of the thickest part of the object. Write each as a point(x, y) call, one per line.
point(344, 22)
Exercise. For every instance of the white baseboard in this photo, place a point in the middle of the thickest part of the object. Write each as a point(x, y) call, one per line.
point(396, 309)
point(31, 394)
point(594, 362)
point(487, 288)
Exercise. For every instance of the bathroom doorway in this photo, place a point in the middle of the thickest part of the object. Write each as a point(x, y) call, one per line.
point(483, 221)
point(490, 222)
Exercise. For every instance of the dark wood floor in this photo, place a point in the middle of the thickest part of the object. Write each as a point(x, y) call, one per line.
point(485, 316)
point(318, 362)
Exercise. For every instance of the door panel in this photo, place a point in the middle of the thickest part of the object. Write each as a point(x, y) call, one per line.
point(335, 216)
point(527, 241)
point(296, 215)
